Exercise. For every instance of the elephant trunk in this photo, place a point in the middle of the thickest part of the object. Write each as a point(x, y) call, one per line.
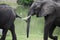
point(28, 26)
point(30, 13)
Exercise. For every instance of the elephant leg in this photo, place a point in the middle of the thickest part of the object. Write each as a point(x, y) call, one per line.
point(46, 29)
point(46, 32)
point(12, 29)
point(49, 21)
point(51, 32)
point(4, 34)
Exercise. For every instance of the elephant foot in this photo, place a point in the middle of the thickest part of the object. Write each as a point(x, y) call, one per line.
point(55, 38)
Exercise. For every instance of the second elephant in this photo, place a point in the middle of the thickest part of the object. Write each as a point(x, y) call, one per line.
point(51, 12)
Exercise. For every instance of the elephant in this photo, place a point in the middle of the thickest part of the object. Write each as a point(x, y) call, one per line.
point(7, 18)
point(50, 10)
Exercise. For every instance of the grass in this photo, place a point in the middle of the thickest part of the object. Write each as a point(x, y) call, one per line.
point(32, 37)
point(23, 37)
point(36, 25)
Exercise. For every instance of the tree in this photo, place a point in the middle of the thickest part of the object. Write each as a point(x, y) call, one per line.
point(25, 2)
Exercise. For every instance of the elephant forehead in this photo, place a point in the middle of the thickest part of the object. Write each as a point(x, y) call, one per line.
point(38, 3)
point(35, 4)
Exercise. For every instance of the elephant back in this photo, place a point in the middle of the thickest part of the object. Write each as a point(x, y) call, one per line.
point(4, 7)
point(6, 13)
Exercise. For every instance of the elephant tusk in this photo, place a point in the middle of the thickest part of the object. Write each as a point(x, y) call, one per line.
point(26, 18)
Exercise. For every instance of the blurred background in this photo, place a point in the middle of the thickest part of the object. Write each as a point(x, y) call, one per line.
point(36, 25)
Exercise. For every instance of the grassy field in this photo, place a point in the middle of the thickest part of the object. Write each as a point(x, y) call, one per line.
point(36, 26)
point(32, 37)
point(23, 37)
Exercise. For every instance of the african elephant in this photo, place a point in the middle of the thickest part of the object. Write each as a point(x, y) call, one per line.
point(7, 18)
point(50, 10)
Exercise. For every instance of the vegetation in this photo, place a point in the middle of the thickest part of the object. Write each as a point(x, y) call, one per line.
point(25, 2)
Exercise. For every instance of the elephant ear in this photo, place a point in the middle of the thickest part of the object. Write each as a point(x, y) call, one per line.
point(47, 9)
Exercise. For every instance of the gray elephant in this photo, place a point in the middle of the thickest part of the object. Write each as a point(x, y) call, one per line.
point(50, 10)
point(7, 18)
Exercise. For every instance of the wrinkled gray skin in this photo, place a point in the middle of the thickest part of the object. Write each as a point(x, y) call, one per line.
point(50, 10)
point(7, 18)
point(56, 0)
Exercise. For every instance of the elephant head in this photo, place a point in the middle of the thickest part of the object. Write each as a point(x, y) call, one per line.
point(41, 8)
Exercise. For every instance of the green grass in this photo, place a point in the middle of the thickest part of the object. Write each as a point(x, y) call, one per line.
point(31, 37)
point(36, 25)
point(23, 37)
point(10, 3)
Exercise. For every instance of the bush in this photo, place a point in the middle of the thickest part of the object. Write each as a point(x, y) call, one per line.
point(25, 2)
